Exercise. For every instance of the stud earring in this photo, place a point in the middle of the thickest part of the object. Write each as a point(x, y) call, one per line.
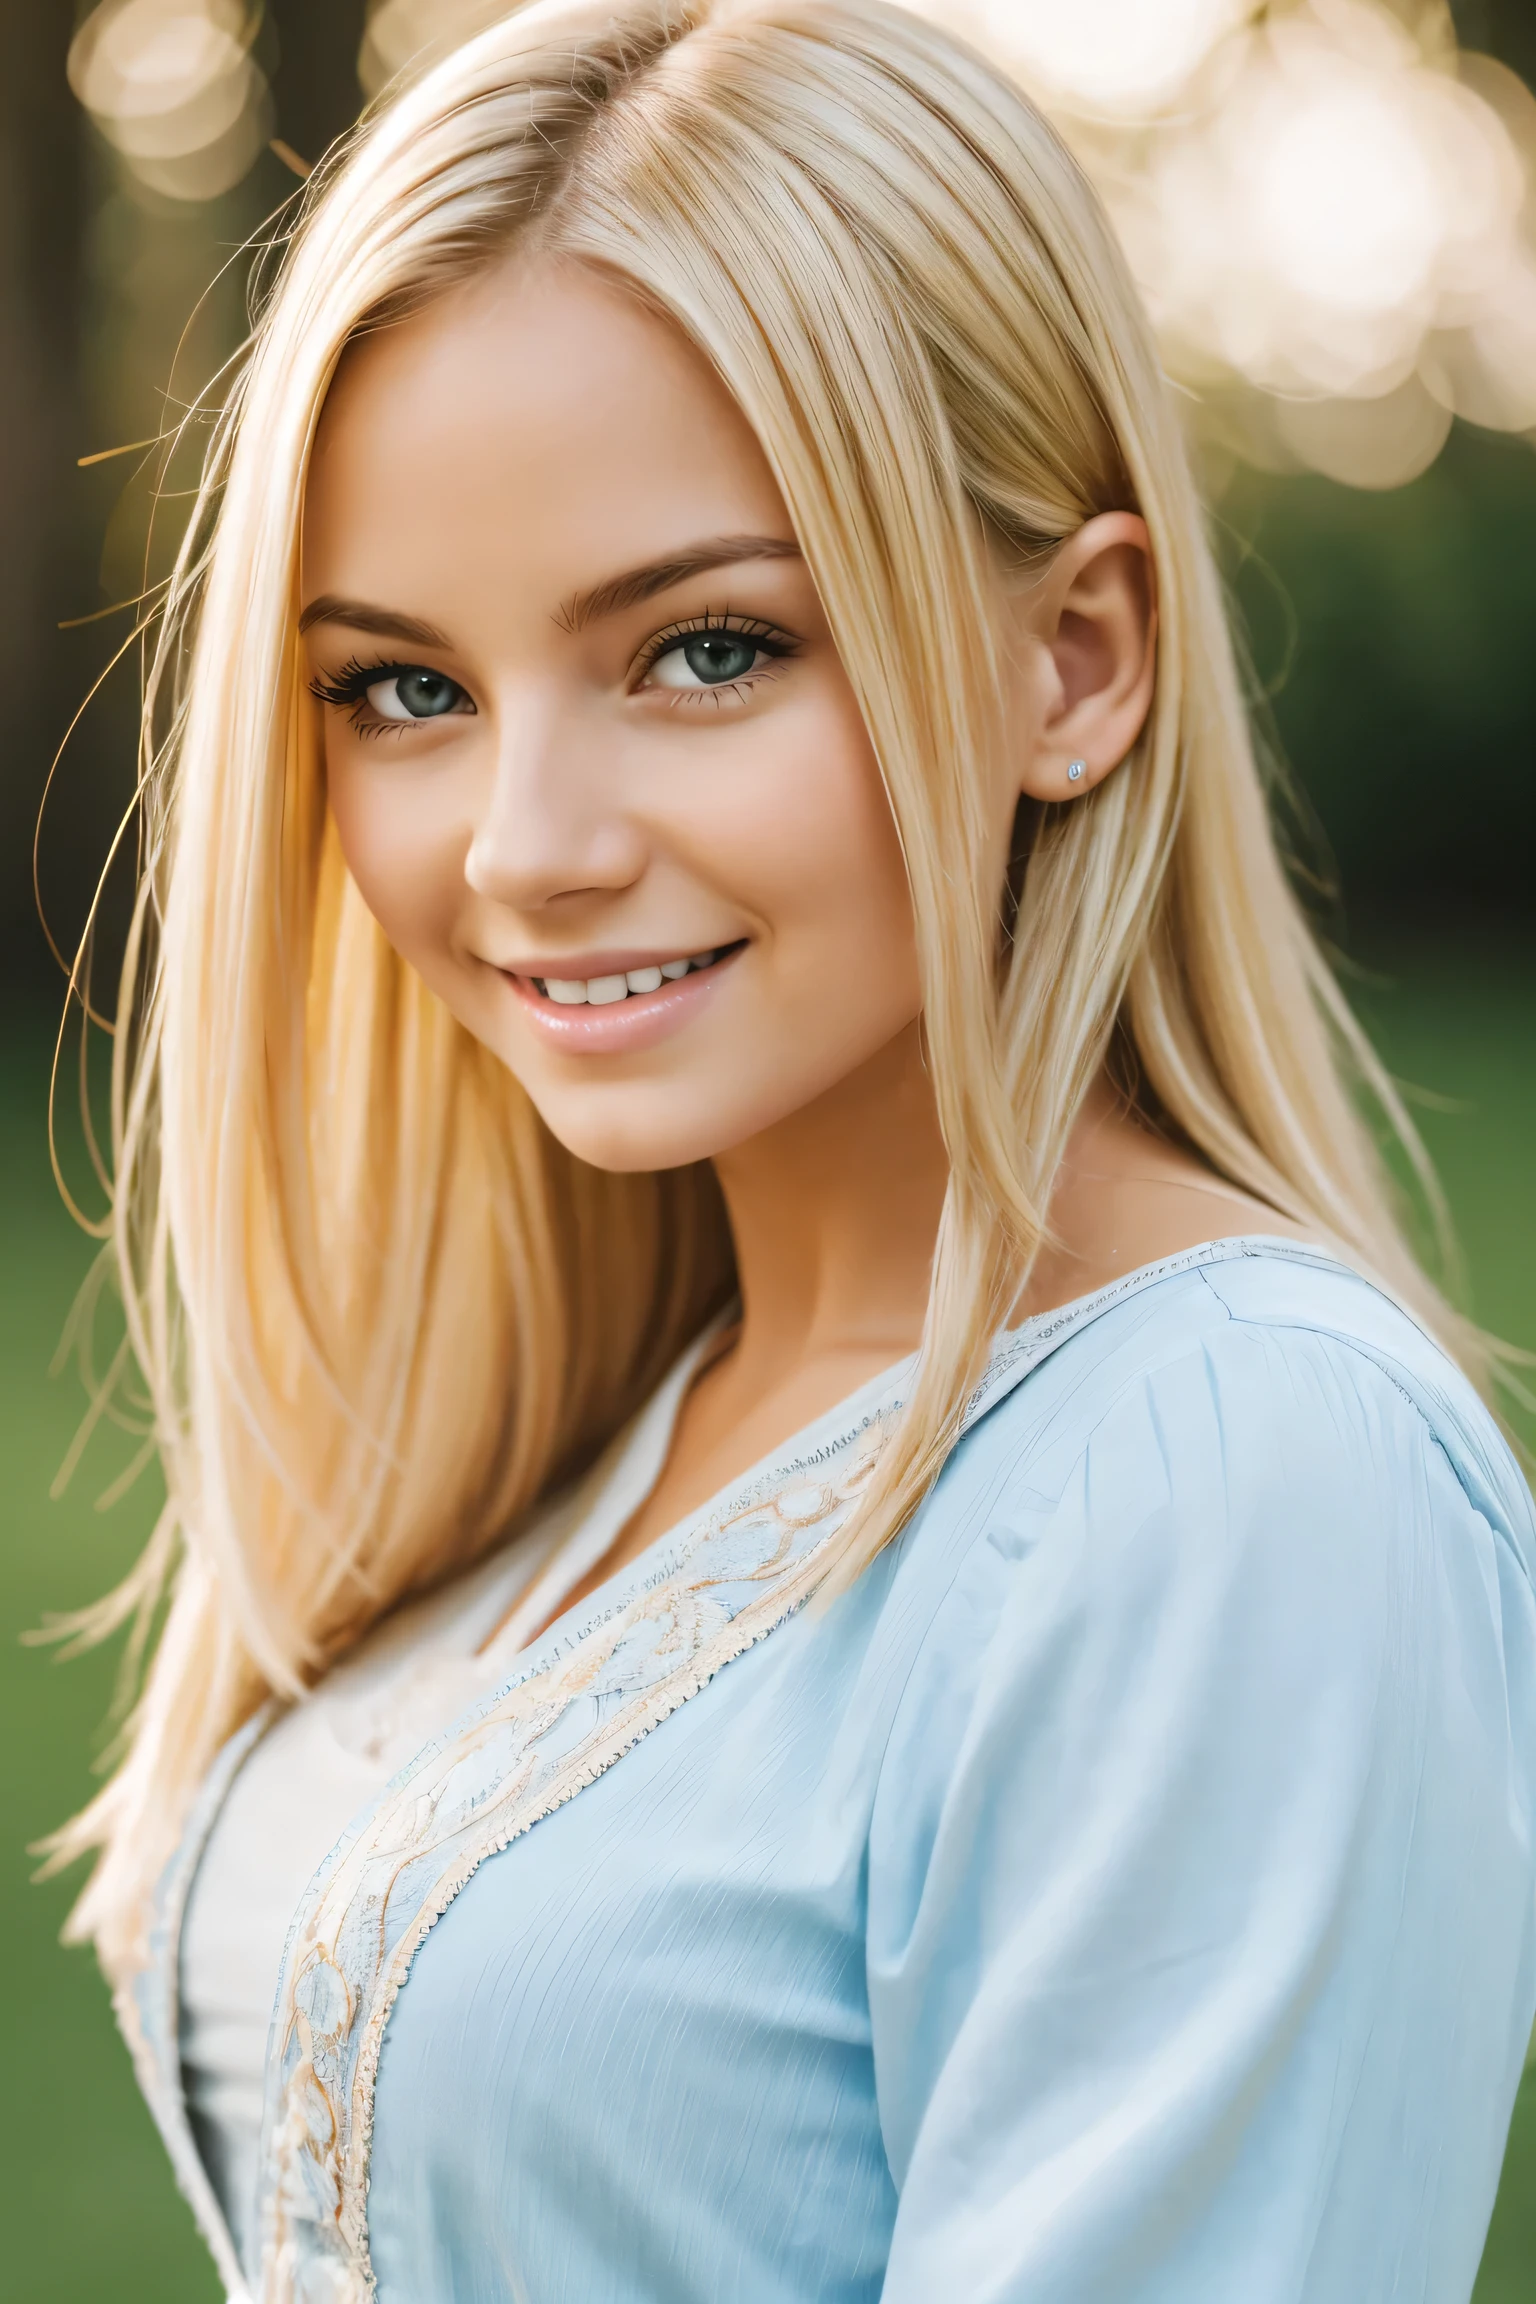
point(1076, 770)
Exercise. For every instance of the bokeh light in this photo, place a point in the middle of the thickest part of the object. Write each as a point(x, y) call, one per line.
point(1328, 218)
point(1327, 205)
point(1117, 57)
point(1328, 208)
point(172, 85)
point(403, 35)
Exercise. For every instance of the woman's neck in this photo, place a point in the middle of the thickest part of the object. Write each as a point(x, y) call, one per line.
point(834, 1213)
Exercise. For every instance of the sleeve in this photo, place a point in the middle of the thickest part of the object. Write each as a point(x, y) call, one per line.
point(1200, 1937)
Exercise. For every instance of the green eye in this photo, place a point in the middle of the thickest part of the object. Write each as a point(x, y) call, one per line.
point(706, 660)
point(415, 695)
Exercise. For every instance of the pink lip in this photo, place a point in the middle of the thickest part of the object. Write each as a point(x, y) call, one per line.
point(639, 1021)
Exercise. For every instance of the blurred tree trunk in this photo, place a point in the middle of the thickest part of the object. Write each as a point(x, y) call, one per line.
point(315, 84)
point(45, 558)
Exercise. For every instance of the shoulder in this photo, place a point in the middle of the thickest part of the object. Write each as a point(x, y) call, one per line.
point(1253, 1469)
point(1250, 1365)
point(1248, 1525)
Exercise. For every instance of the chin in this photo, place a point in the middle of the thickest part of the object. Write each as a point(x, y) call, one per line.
point(632, 1143)
point(630, 1132)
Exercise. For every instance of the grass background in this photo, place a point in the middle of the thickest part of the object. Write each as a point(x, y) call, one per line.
point(89, 2210)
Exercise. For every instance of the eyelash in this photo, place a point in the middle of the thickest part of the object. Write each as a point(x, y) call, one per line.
point(772, 641)
point(348, 691)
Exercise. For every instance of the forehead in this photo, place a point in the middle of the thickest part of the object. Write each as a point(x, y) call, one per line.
point(542, 420)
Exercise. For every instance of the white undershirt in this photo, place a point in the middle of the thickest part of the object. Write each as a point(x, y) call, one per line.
point(330, 1757)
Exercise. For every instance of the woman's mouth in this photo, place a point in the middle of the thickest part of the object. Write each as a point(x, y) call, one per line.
point(633, 983)
point(618, 1009)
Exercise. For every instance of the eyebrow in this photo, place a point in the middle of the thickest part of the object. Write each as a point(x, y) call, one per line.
point(637, 584)
point(383, 623)
point(605, 599)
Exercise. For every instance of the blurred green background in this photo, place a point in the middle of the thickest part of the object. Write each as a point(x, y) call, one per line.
point(1396, 634)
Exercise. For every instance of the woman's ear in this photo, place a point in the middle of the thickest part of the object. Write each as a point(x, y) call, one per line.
point(1087, 654)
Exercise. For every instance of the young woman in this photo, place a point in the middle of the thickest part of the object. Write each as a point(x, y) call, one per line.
point(835, 1632)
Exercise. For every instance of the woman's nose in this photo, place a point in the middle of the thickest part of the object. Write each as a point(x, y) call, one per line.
point(552, 824)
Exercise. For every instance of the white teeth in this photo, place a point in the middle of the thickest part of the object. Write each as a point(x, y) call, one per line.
point(601, 991)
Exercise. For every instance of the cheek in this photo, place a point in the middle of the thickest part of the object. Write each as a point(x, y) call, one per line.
point(816, 836)
point(403, 847)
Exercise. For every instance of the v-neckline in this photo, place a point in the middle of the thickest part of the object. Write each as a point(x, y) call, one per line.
point(601, 1506)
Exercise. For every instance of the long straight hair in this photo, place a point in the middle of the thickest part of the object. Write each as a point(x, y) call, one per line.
point(380, 1310)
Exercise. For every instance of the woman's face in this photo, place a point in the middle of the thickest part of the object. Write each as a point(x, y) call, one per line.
point(594, 762)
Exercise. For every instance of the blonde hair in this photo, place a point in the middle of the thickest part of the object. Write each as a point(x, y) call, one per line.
point(379, 1308)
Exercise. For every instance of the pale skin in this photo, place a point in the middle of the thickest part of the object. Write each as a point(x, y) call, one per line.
point(542, 775)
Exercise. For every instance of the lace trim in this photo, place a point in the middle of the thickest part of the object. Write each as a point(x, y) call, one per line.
point(470, 1795)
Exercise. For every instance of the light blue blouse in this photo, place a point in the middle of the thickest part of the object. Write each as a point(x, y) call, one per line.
point(1124, 1895)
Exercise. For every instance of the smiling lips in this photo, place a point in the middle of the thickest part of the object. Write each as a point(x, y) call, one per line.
point(602, 991)
point(624, 1002)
